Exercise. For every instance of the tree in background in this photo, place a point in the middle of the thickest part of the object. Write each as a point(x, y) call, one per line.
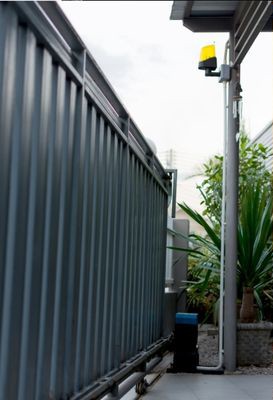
point(251, 170)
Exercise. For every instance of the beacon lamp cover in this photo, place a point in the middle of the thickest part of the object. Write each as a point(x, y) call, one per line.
point(208, 58)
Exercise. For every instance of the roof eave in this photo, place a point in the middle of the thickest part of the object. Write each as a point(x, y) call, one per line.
point(209, 24)
point(215, 23)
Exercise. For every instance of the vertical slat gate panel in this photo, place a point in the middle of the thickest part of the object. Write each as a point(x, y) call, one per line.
point(82, 216)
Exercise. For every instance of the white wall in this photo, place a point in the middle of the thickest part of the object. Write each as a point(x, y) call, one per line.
point(265, 137)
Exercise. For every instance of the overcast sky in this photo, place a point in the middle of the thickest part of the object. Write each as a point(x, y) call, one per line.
point(152, 62)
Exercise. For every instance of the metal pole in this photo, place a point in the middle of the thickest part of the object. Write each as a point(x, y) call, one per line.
point(173, 172)
point(174, 193)
point(219, 367)
point(230, 309)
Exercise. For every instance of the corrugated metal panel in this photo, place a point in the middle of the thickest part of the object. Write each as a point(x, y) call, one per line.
point(83, 218)
point(266, 138)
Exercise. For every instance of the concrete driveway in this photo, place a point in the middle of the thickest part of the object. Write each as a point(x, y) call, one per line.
point(211, 387)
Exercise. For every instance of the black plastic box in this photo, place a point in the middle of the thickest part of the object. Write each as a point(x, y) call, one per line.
point(186, 357)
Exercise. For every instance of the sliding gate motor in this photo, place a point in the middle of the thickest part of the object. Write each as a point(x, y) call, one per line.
point(186, 356)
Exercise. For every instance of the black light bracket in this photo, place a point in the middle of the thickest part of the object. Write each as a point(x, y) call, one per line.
point(224, 74)
point(209, 72)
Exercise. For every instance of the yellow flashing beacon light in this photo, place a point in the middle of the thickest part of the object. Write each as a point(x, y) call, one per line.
point(208, 60)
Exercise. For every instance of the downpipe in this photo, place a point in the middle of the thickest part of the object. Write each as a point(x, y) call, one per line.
point(219, 368)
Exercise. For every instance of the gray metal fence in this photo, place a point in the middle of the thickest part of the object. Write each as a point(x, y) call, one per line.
point(82, 215)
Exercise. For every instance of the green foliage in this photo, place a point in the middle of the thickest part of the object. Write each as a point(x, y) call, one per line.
point(255, 257)
point(211, 189)
point(255, 252)
point(252, 166)
point(251, 170)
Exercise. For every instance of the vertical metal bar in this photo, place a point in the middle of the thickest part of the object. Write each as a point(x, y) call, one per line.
point(35, 86)
point(8, 35)
point(121, 255)
point(162, 258)
point(33, 276)
point(73, 228)
point(163, 230)
point(130, 265)
point(99, 261)
point(105, 308)
point(154, 262)
point(157, 262)
point(232, 219)
point(147, 264)
point(151, 259)
point(43, 199)
point(126, 256)
point(89, 340)
point(142, 259)
point(139, 256)
point(59, 207)
point(149, 282)
point(147, 261)
point(135, 254)
point(20, 131)
point(84, 260)
point(49, 255)
point(174, 193)
point(70, 156)
point(159, 293)
point(117, 275)
point(113, 274)
point(161, 253)
point(92, 339)
point(8, 30)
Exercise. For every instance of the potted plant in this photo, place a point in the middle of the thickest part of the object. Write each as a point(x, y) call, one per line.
point(255, 253)
point(254, 268)
point(255, 275)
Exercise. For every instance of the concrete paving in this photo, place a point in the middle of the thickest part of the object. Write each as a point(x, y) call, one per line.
point(211, 387)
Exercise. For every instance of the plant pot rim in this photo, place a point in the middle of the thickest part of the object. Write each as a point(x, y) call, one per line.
point(262, 326)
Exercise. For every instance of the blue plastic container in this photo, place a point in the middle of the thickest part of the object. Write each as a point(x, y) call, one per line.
point(186, 319)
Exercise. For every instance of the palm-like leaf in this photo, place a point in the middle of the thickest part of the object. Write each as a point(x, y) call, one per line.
point(255, 253)
point(201, 221)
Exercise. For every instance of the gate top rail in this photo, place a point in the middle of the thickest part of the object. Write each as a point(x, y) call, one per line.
point(56, 32)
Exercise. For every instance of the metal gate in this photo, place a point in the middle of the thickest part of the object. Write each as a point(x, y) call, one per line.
point(82, 214)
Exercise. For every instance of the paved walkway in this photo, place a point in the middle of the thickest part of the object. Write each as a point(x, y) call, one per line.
point(211, 387)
